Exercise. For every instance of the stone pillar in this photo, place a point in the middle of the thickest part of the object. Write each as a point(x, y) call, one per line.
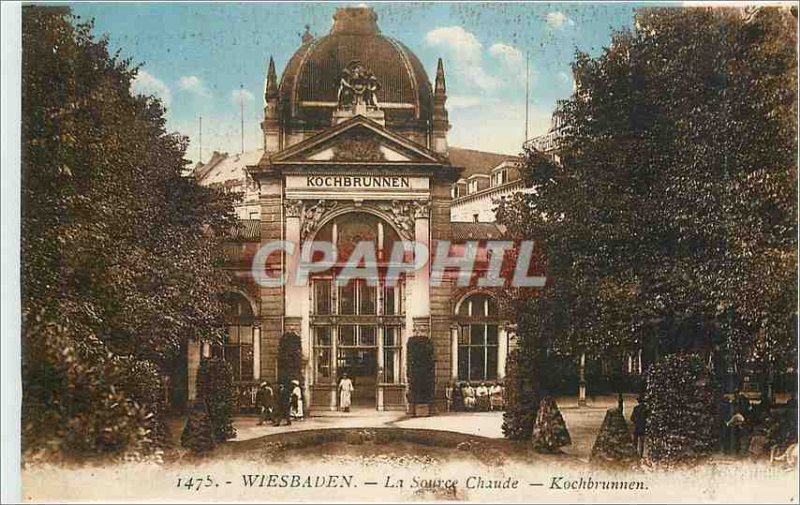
point(419, 304)
point(334, 363)
point(454, 352)
point(502, 351)
point(381, 365)
point(256, 352)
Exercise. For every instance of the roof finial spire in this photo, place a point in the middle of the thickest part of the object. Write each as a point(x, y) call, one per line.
point(271, 87)
point(440, 86)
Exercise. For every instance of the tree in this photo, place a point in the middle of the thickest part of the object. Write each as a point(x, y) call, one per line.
point(681, 421)
point(119, 249)
point(670, 209)
point(421, 369)
point(549, 431)
point(216, 389)
point(614, 443)
point(290, 358)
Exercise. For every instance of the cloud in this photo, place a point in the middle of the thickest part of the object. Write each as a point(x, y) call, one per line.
point(463, 101)
point(238, 95)
point(466, 52)
point(506, 53)
point(558, 19)
point(146, 83)
point(496, 126)
point(193, 84)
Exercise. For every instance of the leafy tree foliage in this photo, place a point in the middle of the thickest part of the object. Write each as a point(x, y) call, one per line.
point(670, 208)
point(421, 369)
point(682, 418)
point(522, 395)
point(215, 387)
point(198, 432)
point(119, 249)
point(549, 431)
point(614, 443)
point(290, 358)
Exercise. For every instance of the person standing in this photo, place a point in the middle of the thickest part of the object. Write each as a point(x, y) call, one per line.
point(458, 397)
point(496, 397)
point(281, 410)
point(639, 420)
point(265, 399)
point(448, 396)
point(482, 396)
point(469, 397)
point(345, 392)
point(297, 400)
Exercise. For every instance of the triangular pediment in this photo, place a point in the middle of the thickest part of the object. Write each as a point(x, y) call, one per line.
point(357, 140)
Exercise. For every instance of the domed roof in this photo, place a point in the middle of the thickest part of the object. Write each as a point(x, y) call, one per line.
point(311, 78)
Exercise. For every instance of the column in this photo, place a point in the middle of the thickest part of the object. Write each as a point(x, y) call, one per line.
point(502, 351)
point(381, 365)
point(334, 364)
point(419, 305)
point(256, 352)
point(454, 352)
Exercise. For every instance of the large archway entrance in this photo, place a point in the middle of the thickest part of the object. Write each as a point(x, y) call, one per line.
point(357, 326)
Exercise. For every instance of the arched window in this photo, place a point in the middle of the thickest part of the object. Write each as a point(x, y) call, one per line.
point(478, 338)
point(237, 348)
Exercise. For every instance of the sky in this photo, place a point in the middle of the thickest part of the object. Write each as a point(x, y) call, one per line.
point(207, 59)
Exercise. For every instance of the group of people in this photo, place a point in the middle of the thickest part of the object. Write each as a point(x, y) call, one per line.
point(285, 404)
point(745, 428)
point(462, 396)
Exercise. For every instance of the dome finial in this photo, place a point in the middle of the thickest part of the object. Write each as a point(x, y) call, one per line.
point(307, 35)
point(360, 20)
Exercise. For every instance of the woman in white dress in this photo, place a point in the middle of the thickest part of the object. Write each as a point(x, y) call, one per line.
point(297, 400)
point(345, 392)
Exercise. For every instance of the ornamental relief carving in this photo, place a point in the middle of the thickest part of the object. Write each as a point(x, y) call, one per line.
point(401, 214)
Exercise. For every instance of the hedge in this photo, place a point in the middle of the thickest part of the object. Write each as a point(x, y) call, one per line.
point(421, 369)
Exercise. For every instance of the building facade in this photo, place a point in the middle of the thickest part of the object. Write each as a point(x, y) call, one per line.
point(355, 149)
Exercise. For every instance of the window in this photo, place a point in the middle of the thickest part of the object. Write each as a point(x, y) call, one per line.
point(391, 354)
point(255, 215)
point(357, 297)
point(322, 296)
point(475, 218)
point(237, 347)
point(478, 339)
point(322, 352)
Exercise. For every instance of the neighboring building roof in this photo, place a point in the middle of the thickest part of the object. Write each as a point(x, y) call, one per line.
point(476, 231)
point(247, 230)
point(476, 162)
point(228, 170)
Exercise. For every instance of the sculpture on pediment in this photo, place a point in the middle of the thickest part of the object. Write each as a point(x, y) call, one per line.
point(357, 86)
point(312, 215)
point(358, 148)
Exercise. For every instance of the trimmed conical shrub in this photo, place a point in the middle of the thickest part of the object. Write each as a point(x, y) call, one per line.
point(198, 433)
point(549, 431)
point(614, 443)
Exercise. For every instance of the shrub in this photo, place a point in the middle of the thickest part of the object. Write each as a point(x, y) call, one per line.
point(614, 443)
point(75, 401)
point(421, 371)
point(290, 358)
point(144, 382)
point(549, 430)
point(216, 389)
point(681, 417)
point(198, 433)
point(522, 396)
